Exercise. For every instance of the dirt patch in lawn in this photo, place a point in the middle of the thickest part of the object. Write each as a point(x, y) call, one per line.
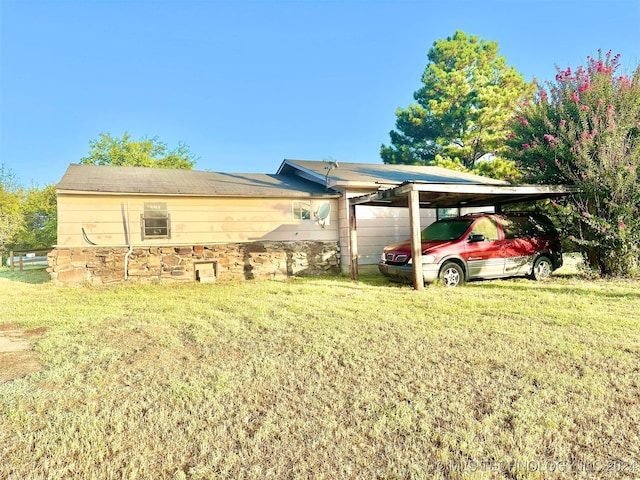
point(17, 357)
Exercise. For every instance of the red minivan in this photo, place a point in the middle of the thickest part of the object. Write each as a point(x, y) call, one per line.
point(478, 246)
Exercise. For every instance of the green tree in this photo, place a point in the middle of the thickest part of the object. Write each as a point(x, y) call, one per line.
point(39, 212)
point(462, 110)
point(146, 152)
point(584, 130)
point(11, 218)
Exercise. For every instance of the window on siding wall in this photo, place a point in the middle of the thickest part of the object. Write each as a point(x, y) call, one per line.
point(447, 213)
point(155, 221)
point(301, 210)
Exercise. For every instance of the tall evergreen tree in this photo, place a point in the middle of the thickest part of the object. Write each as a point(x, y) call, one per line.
point(463, 108)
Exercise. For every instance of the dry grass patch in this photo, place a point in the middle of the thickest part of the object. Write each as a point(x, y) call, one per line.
point(17, 357)
point(327, 378)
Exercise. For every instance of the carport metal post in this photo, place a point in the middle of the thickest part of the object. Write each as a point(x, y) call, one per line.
point(416, 240)
point(353, 243)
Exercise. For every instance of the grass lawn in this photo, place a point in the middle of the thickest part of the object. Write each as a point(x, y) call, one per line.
point(325, 379)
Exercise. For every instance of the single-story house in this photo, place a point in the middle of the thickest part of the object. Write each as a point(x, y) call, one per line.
point(120, 223)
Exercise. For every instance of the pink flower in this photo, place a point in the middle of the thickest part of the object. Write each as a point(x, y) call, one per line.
point(563, 123)
point(583, 87)
point(526, 146)
point(586, 214)
point(554, 204)
point(621, 225)
point(523, 121)
point(574, 97)
point(542, 163)
point(584, 108)
point(548, 138)
point(624, 81)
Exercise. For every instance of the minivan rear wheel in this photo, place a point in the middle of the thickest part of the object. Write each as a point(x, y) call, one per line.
point(542, 268)
point(452, 275)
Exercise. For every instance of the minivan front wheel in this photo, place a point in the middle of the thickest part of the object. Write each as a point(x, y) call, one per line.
point(452, 275)
point(542, 268)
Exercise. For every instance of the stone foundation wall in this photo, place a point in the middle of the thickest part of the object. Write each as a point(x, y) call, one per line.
point(259, 260)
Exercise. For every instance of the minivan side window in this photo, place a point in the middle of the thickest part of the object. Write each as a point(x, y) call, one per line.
point(446, 229)
point(522, 227)
point(512, 227)
point(487, 227)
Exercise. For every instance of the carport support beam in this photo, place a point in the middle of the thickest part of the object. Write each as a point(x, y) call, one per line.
point(353, 243)
point(416, 239)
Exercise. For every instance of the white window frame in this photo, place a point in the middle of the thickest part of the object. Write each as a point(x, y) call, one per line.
point(156, 213)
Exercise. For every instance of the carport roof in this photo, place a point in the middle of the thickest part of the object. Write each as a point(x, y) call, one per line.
point(377, 176)
point(435, 195)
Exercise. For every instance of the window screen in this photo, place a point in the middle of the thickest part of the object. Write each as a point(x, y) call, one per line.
point(155, 221)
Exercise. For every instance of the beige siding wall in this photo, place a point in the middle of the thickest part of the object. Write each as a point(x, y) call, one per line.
point(194, 220)
point(380, 226)
point(377, 227)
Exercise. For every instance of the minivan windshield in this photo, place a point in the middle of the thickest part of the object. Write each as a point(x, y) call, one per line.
point(444, 230)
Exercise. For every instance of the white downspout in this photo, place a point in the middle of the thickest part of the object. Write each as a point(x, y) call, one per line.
point(128, 239)
point(126, 262)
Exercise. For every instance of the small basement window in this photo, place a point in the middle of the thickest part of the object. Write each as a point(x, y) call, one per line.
point(301, 210)
point(155, 222)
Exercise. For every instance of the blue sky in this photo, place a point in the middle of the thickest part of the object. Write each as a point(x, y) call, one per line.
point(246, 84)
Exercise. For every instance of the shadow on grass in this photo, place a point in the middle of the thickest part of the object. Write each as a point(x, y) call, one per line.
point(575, 284)
point(32, 276)
point(571, 278)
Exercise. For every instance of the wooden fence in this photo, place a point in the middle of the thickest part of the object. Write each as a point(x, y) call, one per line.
point(34, 259)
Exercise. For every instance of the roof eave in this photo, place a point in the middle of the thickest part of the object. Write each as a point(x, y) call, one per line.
point(441, 195)
point(346, 184)
point(156, 194)
point(301, 172)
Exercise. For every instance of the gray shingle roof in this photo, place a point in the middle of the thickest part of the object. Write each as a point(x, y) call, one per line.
point(160, 181)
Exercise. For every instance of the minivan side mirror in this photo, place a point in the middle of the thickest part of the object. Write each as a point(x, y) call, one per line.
point(475, 237)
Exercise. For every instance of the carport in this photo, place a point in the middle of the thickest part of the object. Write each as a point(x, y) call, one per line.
point(416, 195)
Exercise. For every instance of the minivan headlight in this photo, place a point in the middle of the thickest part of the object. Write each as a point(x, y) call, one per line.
point(426, 259)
